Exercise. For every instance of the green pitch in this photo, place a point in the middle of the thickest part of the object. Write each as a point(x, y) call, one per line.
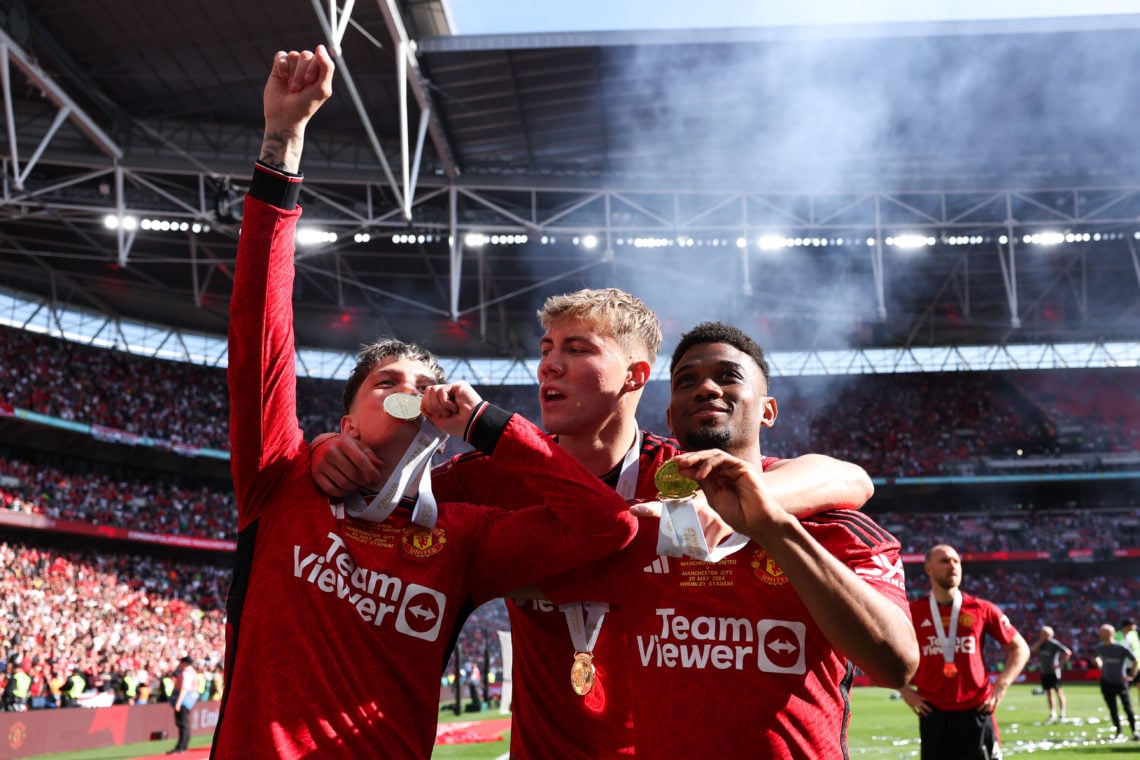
point(881, 727)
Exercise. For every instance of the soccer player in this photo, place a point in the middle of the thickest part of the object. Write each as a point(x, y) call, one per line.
point(1051, 655)
point(597, 354)
point(1118, 664)
point(952, 694)
point(750, 655)
point(340, 617)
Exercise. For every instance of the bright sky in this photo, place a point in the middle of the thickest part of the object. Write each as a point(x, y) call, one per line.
point(514, 16)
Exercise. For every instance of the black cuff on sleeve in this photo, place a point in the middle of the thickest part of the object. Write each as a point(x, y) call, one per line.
point(486, 427)
point(275, 187)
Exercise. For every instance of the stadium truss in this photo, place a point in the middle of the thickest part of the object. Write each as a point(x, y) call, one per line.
point(518, 175)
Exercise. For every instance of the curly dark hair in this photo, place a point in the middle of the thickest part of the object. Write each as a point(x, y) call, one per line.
point(719, 332)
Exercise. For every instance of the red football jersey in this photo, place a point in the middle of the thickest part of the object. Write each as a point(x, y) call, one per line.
point(337, 627)
point(547, 718)
point(971, 687)
point(729, 646)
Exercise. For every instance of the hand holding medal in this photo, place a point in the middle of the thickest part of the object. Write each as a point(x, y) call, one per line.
point(671, 484)
point(680, 532)
point(410, 476)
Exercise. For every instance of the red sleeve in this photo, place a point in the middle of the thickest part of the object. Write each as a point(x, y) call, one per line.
point(997, 623)
point(582, 519)
point(864, 546)
point(262, 371)
point(475, 478)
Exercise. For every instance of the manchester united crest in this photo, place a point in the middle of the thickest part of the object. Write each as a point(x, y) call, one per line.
point(766, 569)
point(423, 542)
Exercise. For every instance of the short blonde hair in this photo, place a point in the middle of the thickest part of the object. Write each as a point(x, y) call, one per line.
point(621, 315)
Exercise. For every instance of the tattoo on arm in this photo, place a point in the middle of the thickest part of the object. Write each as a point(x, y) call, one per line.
point(277, 151)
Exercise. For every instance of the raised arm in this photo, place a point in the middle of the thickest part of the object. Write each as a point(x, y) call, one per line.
point(298, 84)
point(871, 630)
point(261, 372)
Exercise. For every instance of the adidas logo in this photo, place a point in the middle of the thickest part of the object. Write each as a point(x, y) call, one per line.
point(926, 623)
point(659, 566)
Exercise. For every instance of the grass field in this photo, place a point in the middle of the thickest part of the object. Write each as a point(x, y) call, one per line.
point(881, 727)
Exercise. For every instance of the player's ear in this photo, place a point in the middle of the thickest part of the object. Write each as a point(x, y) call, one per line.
point(637, 375)
point(348, 426)
point(769, 412)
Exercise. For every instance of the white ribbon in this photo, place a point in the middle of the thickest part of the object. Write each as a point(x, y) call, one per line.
point(585, 626)
point(584, 619)
point(946, 640)
point(680, 533)
point(630, 468)
point(412, 474)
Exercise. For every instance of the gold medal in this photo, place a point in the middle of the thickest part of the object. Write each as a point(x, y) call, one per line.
point(402, 406)
point(582, 673)
point(949, 670)
point(671, 484)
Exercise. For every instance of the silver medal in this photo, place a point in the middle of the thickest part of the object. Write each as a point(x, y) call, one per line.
point(402, 406)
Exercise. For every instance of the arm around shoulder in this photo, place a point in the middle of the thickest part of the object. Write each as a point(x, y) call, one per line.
point(814, 483)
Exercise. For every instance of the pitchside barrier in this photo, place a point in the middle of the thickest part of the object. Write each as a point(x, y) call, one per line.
point(38, 732)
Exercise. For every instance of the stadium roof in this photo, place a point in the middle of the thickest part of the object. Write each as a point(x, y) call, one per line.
point(826, 188)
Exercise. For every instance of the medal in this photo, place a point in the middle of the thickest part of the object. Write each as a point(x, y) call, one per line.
point(671, 484)
point(582, 673)
point(402, 406)
point(679, 531)
point(947, 640)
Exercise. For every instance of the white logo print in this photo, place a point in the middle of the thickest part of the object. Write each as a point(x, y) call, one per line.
point(659, 566)
point(374, 595)
point(885, 570)
point(723, 643)
point(782, 649)
point(421, 612)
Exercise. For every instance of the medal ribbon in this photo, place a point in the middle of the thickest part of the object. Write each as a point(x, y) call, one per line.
point(412, 474)
point(630, 468)
point(584, 628)
point(946, 641)
point(680, 534)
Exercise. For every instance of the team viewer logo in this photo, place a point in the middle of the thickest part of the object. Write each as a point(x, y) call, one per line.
point(766, 569)
point(421, 612)
point(782, 644)
point(423, 542)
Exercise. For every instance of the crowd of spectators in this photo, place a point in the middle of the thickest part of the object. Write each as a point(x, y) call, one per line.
point(170, 401)
point(99, 494)
point(893, 425)
point(106, 617)
point(114, 618)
